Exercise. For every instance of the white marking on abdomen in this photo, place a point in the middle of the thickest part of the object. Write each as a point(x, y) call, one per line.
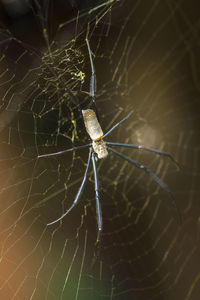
point(92, 124)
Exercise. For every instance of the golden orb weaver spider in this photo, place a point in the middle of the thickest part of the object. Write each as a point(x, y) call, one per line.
point(99, 148)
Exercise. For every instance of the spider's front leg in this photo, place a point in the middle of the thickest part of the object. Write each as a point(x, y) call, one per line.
point(152, 175)
point(80, 190)
point(98, 205)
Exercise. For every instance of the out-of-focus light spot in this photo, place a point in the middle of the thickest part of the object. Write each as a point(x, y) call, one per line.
point(147, 135)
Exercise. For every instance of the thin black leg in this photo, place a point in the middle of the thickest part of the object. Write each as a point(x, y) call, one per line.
point(116, 125)
point(93, 81)
point(98, 205)
point(146, 149)
point(93, 84)
point(78, 195)
point(64, 151)
point(153, 176)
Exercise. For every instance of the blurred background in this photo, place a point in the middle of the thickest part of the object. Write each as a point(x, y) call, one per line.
point(146, 56)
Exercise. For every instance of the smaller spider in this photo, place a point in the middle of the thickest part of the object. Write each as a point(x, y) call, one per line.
point(99, 148)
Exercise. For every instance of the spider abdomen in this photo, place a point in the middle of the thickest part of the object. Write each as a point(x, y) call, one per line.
point(95, 132)
point(92, 124)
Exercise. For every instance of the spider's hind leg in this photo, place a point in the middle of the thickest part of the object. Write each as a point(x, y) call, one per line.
point(120, 122)
point(93, 80)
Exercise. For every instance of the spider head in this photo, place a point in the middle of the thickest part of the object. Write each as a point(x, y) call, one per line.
point(100, 148)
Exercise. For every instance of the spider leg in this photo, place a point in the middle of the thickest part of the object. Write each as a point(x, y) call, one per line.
point(93, 80)
point(79, 191)
point(153, 176)
point(64, 151)
point(146, 149)
point(116, 125)
point(98, 205)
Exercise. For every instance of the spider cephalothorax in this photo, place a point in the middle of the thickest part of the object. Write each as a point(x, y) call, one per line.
point(100, 148)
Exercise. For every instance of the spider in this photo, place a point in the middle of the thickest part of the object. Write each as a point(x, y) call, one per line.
point(99, 149)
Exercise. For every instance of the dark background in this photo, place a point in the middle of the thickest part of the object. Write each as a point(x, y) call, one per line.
point(146, 59)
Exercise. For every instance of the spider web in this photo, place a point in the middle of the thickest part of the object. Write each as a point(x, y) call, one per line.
point(146, 56)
